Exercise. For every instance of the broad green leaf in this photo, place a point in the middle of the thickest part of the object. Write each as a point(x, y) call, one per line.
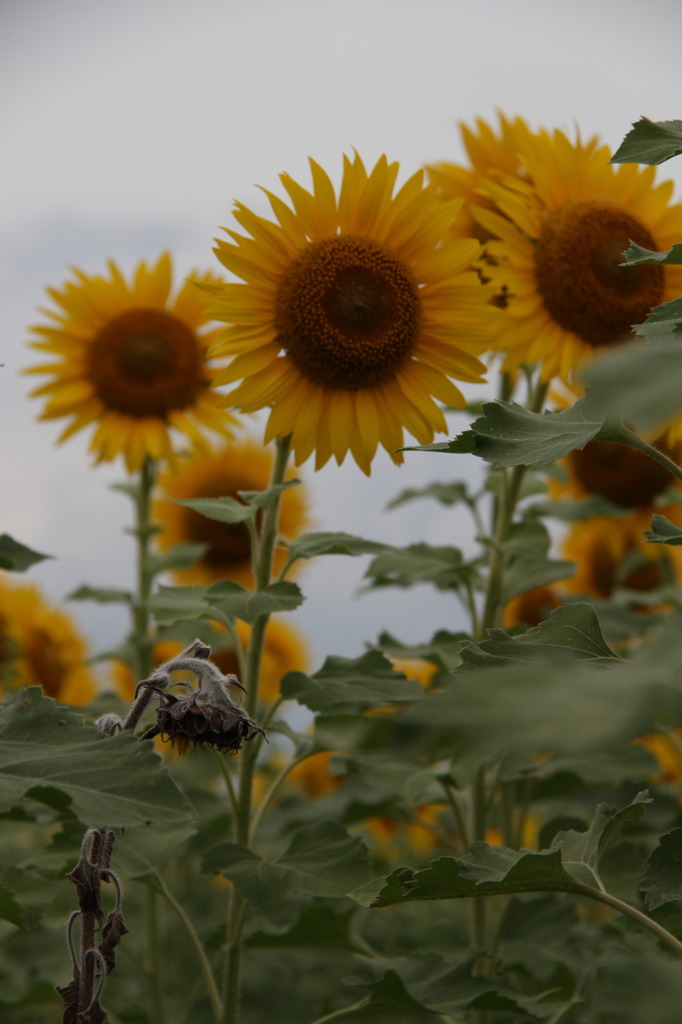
point(232, 601)
point(572, 629)
point(663, 531)
point(509, 435)
point(108, 780)
point(223, 510)
point(144, 853)
point(650, 142)
point(442, 649)
point(348, 686)
point(662, 878)
point(413, 782)
point(446, 494)
point(636, 254)
point(17, 557)
point(310, 545)
point(444, 567)
point(179, 604)
point(529, 564)
point(322, 860)
point(486, 871)
point(582, 851)
point(103, 595)
point(326, 925)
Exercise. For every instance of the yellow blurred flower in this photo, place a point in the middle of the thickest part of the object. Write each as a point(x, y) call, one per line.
point(132, 361)
point(559, 242)
point(40, 645)
point(354, 314)
point(531, 607)
point(238, 466)
point(312, 776)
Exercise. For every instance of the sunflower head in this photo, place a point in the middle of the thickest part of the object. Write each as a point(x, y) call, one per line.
point(224, 472)
point(131, 360)
point(353, 313)
point(557, 249)
point(40, 645)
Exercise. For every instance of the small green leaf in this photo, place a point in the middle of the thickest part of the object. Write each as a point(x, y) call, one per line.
point(636, 254)
point(223, 510)
point(112, 780)
point(663, 531)
point(662, 878)
point(663, 322)
point(529, 564)
point(103, 595)
point(179, 604)
point(463, 444)
point(232, 601)
point(310, 545)
point(348, 686)
point(180, 556)
point(263, 499)
point(650, 142)
point(582, 851)
point(442, 649)
point(446, 494)
point(509, 435)
point(444, 567)
point(17, 557)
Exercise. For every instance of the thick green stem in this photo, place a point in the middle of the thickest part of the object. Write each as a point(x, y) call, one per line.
point(144, 530)
point(262, 571)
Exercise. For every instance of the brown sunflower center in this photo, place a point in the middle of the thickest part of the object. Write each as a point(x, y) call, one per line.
point(348, 313)
point(583, 286)
point(620, 474)
point(229, 544)
point(145, 362)
point(644, 575)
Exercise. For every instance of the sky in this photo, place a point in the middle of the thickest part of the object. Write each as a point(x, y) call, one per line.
point(130, 128)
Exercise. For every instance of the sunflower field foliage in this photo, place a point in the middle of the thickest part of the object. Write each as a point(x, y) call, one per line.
point(202, 823)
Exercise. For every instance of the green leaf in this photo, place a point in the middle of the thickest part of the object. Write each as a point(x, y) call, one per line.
point(529, 565)
point(179, 604)
point(663, 322)
point(310, 545)
point(662, 878)
point(446, 494)
point(463, 444)
point(263, 499)
point(636, 254)
point(442, 649)
point(232, 601)
point(17, 557)
point(581, 510)
point(223, 510)
point(13, 912)
point(509, 435)
point(663, 531)
point(103, 595)
point(180, 556)
point(582, 851)
point(645, 380)
point(348, 686)
point(322, 860)
point(444, 567)
point(109, 780)
point(650, 142)
point(572, 630)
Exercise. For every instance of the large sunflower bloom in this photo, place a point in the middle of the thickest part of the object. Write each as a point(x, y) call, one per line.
point(354, 313)
point(560, 240)
point(492, 153)
point(132, 360)
point(238, 466)
point(40, 645)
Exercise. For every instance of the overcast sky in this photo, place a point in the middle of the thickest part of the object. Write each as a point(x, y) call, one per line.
point(130, 127)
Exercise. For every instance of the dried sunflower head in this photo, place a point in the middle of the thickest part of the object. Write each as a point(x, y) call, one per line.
point(206, 715)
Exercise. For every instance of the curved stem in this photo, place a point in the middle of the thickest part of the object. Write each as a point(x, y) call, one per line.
point(262, 572)
point(198, 947)
point(272, 792)
point(647, 922)
point(458, 814)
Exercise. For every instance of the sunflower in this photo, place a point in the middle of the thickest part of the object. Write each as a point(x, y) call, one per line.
point(238, 466)
point(354, 313)
point(285, 651)
point(130, 360)
point(492, 154)
point(40, 646)
point(531, 607)
point(559, 242)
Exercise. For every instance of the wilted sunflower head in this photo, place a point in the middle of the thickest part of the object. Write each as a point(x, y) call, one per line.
point(130, 360)
point(243, 465)
point(558, 247)
point(354, 314)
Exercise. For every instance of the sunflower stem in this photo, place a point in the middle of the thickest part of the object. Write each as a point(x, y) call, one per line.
point(144, 530)
point(262, 572)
